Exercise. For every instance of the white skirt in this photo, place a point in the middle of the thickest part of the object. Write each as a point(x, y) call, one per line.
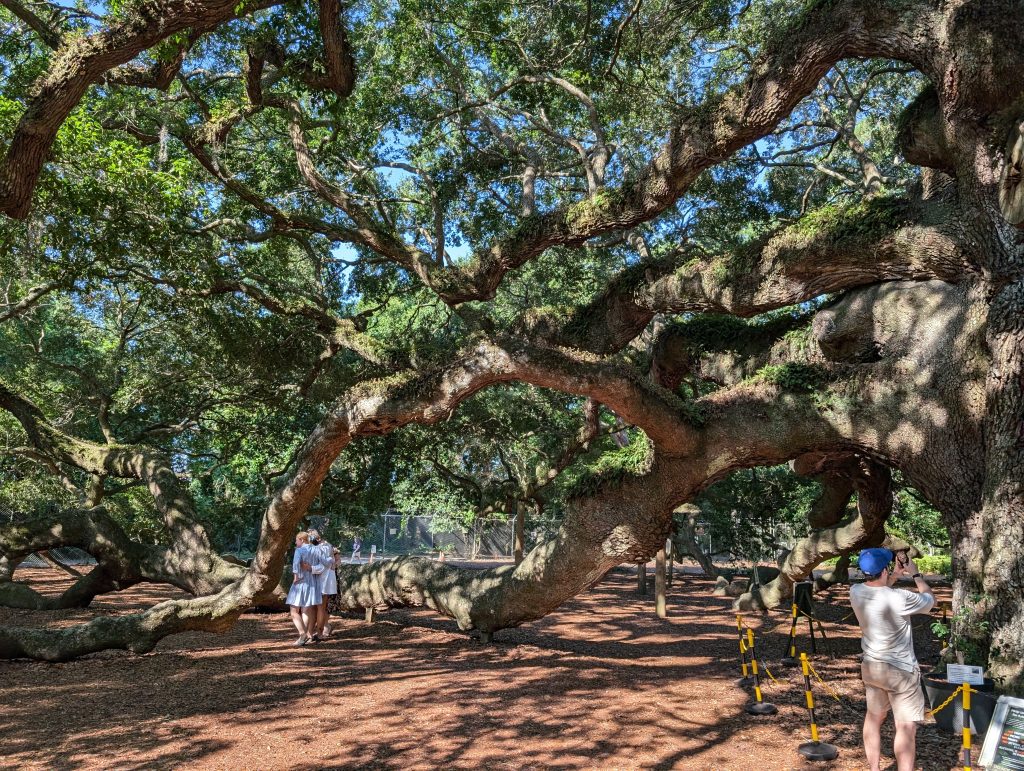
point(328, 582)
point(305, 593)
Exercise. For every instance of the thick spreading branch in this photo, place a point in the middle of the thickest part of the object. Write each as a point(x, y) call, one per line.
point(762, 421)
point(372, 408)
point(189, 562)
point(828, 252)
point(833, 534)
point(81, 61)
point(120, 461)
point(622, 521)
point(786, 72)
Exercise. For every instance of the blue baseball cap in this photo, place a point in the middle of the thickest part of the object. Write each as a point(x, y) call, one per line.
point(873, 561)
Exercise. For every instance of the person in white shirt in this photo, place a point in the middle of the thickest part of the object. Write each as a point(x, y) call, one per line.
point(889, 668)
point(328, 558)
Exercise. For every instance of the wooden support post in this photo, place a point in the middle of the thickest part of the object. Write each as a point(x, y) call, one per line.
point(519, 533)
point(641, 578)
point(660, 582)
point(671, 554)
point(371, 615)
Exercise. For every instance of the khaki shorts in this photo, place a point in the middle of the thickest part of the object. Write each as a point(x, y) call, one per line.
point(886, 685)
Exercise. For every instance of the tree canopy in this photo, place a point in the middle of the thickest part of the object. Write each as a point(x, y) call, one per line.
point(268, 259)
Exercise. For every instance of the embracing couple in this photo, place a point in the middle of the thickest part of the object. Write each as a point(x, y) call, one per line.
point(313, 582)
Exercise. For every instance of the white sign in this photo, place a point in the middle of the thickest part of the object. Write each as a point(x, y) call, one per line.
point(964, 673)
point(373, 548)
point(1004, 742)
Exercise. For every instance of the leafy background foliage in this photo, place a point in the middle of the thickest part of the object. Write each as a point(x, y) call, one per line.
point(134, 236)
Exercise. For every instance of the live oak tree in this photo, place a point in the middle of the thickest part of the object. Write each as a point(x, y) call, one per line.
point(372, 212)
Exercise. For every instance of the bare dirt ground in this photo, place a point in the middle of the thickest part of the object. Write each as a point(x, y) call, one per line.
point(602, 683)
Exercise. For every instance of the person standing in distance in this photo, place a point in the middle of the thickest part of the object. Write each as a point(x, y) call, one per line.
point(889, 667)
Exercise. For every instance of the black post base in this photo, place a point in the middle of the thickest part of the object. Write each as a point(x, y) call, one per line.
point(746, 682)
point(761, 708)
point(818, 751)
point(789, 661)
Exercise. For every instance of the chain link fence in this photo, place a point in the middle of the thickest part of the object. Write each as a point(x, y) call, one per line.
point(397, 534)
point(393, 534)
point(69, 555)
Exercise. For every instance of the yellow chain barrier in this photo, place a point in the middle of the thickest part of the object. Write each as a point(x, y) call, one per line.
point(825, 685)
point(946, 703)
point(740, 621)
point(769, 672)
point(808, 615)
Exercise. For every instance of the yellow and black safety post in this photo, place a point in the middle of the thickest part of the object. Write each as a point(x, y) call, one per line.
point(746, 680)
point(814, 749)
point(965, 689)
point(759, 706)
point(791, 660)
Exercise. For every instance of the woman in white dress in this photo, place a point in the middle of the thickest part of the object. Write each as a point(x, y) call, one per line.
point(304, 597)
point(327, 558)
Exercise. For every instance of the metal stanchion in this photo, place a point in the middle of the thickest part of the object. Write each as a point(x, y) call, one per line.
point(824, 638)
point(966, 691)
point(814, 749)
point(759, 706)
point(803, 598)
point(791, 660)
point(746, 680)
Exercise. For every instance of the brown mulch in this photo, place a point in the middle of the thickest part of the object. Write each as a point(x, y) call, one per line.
point(601, 683)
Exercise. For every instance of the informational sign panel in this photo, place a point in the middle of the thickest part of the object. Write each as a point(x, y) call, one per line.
point(964, 673)
point(1003, 749)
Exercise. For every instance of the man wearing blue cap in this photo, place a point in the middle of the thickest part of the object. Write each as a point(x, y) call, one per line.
point(889, 668)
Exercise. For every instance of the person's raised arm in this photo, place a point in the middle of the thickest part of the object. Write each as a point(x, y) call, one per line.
point(926, 599)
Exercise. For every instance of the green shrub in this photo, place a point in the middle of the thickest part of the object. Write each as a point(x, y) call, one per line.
point(938, 564)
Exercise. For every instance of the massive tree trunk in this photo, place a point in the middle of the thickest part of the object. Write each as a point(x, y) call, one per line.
point(988, 542)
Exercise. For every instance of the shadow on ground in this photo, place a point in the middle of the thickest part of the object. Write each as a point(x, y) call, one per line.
point(601, 683)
